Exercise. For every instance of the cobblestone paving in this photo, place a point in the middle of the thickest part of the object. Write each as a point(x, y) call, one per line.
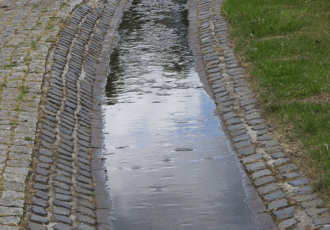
point(286, 193)
point(63, 187)
point(28, 29)
point(61, 193)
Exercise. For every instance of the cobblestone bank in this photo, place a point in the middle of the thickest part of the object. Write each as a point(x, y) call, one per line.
point(286, 193)
point(62, 195)
point(28, 29)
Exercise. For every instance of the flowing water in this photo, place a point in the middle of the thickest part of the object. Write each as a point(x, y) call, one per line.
point(168, 163)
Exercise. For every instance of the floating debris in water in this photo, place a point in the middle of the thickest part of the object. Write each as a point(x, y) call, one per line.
point(183, 149)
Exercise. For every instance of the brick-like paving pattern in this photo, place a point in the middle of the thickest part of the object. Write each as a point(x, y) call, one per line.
point(287, 195)
point(63, 186)
point(56, 160)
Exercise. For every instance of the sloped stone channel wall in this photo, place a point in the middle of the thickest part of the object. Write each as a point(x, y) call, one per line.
point(62, 186)
point(287, 195)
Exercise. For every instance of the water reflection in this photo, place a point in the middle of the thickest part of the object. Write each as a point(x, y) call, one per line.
point(168, 164)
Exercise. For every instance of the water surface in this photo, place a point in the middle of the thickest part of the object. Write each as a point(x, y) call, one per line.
point(169, 165)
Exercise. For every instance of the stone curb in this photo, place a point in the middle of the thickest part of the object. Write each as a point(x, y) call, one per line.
point(289, 198)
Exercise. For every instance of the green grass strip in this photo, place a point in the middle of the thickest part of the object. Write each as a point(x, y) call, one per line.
point(286, 46)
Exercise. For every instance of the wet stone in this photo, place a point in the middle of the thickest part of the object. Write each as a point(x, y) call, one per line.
point(39, 210)
point(225, 99)
point(249, 107)
point(47, 133)
point(285, 213)
point(45, 138)
point(46, 152)
point(272, 143)
point(40, 202)
point(247, 102)
point(255, 166)
point(85, 174)
point(41, 179)
point(84, 179)
point(41, 187)
point(291, 175)
point(305, 197)
point(226, 104)
point(222, 94)
point(286, 168)
point(229, 115)
point(41, 195)
point(235, 127)
point(242, 144)
point(42, 171)
point(85, 219)
point(281, 161)
point(62, 211)
point(321, 221)
point(62, 226)
point(252, 158)
point(86, 204)
point(262, 132)
point(64, 167)
point(303, 190)
point(277, 204)
point(274, 195)
point(234, 121)
point(265, 138)
point(312, 203)
point(252, 116)
point(218, 85)
point(85, 227)
point(278, 155)
point(239, 132)
point(298, 182)
point(63, 179)
point(314, 211)
point(287, 223)
point(247, 151)
point(256, 121)
point(261, 173)
point(61, 185)
point(59, 203)
point(264, 180)
point(242, 138)
point(62, 191)
point(85, 186)
point(34, 226)
point(268, 188)
point(45, 159)
point(86, 211)
point(84, 155)
point(62, 219)
point(241, 89)
point(39, 219)
point(62, 197)
point(63, 173)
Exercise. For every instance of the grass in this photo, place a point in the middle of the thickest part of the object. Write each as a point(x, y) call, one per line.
point(285, 46)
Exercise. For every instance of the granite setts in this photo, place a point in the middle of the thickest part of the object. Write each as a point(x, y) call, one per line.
point(286, 193)
point(63, 188)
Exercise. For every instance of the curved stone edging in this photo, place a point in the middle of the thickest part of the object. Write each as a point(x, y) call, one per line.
point(64, 192)
point(288, 196)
